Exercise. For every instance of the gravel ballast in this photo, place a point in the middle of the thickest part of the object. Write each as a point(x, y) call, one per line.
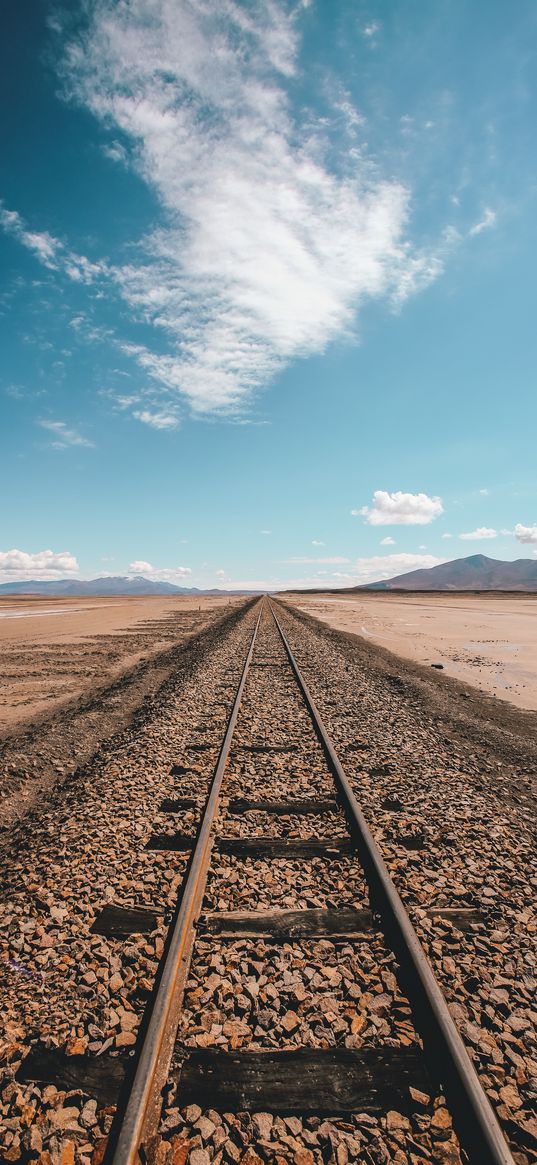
point(444, 813)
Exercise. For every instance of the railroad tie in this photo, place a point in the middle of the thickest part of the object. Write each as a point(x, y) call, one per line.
point(287, 925)
point(323, 1082)
point(119, 921)
point(241, 805)
point(286, 847)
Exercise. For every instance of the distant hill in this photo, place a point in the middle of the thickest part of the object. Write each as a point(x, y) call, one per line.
point(476, 573)
point(136, 585)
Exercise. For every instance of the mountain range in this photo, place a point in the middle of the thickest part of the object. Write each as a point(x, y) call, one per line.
point(114, 585)
point(476, 573)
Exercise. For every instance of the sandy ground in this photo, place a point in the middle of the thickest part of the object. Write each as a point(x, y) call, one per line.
point(52, 650)
point(487, 641)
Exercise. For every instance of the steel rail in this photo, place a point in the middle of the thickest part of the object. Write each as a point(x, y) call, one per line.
point(448, 1061)
point(142, 1111)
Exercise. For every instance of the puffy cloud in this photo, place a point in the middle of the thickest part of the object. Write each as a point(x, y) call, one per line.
point(481, 532)
point(64, 436)
point(525, 534)
point(447, 535)
point(316, 542)
point(172, 574)
point(387, 541)
point(381, 566)
point(267, 247)
point(140, 567)
point(45, 564)
point(400, 509)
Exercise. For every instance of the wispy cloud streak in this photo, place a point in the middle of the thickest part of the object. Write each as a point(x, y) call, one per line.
point(64, 436)
point(265, 251)
point(50, 251)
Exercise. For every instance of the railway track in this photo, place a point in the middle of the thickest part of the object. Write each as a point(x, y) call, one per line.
point(279, 829)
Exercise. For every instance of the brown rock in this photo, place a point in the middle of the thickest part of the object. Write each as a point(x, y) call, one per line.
point(77, 1047)
point(441, 1124)
point(125, 1039)
point(290, 1021)
point(304, 1157)
point(68, 1153)
point(65, 1118)
point(97, 1157)
point(510, 1096)
point(419, 1097)
point(180, 1150)
point(396, 1120)
point(200, 1157)
point(262, 1122)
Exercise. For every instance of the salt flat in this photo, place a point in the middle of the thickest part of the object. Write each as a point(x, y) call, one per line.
point(489, 641)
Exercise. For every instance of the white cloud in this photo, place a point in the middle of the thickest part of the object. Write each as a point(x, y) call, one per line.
point(139, 566)
point(525, 534)
point(401, 509)
point(116, 152)
point(64, 435)
point(156, 420)
point(484, 493)
point(221, 573)
point(172, 574)
point(488, 221)
point(43, 245)
point(447, 535)
point(316, 542)
point(387, 541)
point(382, 566)
point(265, 531)
point(481, 532)
point(266, 249)
point(45, 564)
point(49, 250)
point(371, 29)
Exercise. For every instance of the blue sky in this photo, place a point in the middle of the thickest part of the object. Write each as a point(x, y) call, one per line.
point(267, 288)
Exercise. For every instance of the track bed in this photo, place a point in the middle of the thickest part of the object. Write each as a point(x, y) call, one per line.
point(287, 1032)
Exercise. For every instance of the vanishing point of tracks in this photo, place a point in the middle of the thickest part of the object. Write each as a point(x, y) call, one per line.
point(392, 1075)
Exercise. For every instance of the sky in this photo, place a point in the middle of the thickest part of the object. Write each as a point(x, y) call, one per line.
point(267, 288)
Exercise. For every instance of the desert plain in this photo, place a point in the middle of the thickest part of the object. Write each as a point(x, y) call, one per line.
point(488, 641)
point(53, 649)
